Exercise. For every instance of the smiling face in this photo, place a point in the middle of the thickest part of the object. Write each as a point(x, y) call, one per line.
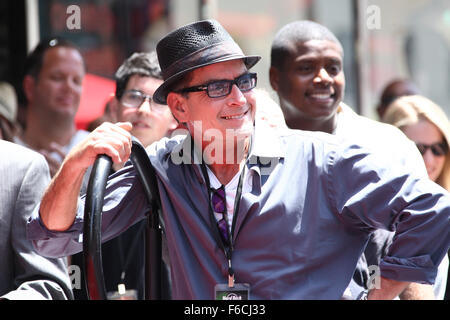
point(150, 122)
point(311, 84)
point(57, 89)
point(229, 115)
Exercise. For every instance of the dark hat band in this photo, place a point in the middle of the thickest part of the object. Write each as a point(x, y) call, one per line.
point(214, 53)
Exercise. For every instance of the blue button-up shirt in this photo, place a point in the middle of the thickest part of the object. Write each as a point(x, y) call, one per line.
point(315, 199)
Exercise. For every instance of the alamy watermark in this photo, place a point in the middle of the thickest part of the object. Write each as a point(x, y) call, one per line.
point(215, 143)
point(373, 17)
point(73, 21)
point(74, 272)
point(374, 280)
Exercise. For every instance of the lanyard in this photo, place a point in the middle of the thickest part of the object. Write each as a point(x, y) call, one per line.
point(227, 248)
point(130, 253)
point(125, 261)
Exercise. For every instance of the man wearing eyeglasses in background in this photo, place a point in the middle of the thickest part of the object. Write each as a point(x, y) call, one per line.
point(136, 81)
point(249, 213)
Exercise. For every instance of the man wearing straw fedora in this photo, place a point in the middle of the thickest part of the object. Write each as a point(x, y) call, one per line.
point(249, 213)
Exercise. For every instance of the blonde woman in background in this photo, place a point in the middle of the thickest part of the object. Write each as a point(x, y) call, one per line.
point(427, 125)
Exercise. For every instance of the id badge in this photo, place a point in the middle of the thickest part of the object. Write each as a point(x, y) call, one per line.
point(122, 294)
point(240, 291)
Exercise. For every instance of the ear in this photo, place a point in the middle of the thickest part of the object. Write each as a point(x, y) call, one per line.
point(29, 84)
point(113, 106)
point(178, 106)
point(274, 78)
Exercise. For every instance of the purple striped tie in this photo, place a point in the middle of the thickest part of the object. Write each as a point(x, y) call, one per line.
point(218, 202)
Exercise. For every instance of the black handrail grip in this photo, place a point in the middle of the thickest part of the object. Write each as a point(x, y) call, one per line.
point(153, 260)
point(93, 267)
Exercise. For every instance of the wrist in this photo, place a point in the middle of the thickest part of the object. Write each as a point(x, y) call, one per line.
point(74, 165)
point(388, 290)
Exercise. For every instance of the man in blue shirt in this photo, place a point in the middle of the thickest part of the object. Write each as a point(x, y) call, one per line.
point(307, 73)
point(294, 205)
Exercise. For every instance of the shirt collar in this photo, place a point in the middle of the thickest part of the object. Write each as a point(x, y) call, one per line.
point(266, 141)
point(344, 114)
point(266, 149)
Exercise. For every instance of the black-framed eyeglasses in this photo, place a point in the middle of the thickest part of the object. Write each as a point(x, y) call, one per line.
point(222, 88)
point(438, 149)
point(135, 98)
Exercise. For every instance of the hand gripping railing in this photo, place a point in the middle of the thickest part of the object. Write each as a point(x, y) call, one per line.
point(92, 254)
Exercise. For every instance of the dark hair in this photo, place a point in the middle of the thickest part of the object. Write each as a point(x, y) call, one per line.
point(398, 88)
point(139, 63)
point(33, 62)
point(294, 32)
